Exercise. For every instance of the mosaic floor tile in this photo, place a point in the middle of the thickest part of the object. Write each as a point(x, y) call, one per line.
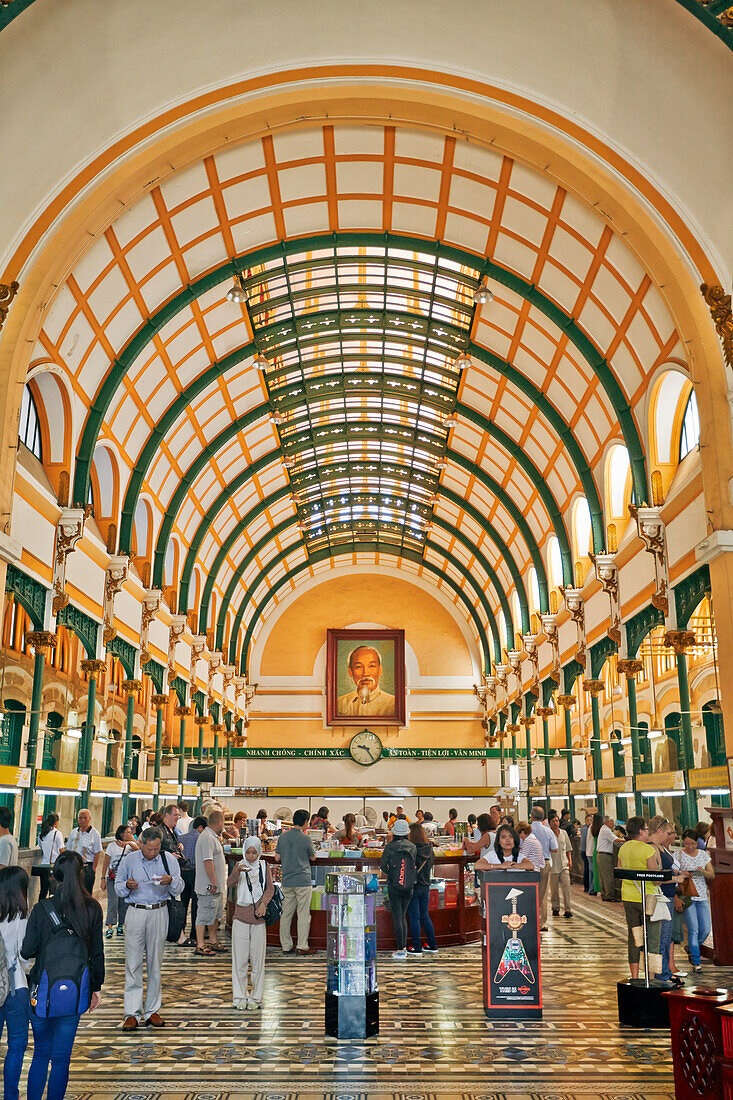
point(434, 1041)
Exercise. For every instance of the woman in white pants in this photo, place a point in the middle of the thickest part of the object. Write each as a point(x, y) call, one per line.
point(255, 889)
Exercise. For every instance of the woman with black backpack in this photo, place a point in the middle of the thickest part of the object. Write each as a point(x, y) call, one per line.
point(64, 936)
point(398, 865)
point(13, 983)
point(419, 903)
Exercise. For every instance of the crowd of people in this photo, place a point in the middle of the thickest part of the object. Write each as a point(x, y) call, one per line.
point(164, 867)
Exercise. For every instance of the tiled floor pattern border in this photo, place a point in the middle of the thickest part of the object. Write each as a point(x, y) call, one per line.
point(434, 1039)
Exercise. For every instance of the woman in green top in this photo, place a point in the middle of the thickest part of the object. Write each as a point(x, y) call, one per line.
point(638, 855)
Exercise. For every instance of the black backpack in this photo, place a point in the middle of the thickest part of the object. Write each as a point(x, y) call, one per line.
point(401, 873)
point(63, 985)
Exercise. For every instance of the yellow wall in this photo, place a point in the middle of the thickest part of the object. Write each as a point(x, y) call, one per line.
point(300, 632)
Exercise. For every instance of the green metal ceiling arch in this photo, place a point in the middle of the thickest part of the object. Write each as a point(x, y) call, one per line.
point(280, 494)
point(161, 317)
point(291, 521)
point(328, 552)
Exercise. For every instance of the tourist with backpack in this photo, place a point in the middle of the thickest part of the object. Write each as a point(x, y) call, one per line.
point(13, 983)
point(64, 936)
point(418, 910)
point(398, 867)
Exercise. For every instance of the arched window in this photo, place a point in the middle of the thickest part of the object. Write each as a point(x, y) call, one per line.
point(29, 432)
point(141, 528)
point(554, 562)
point(617, 482)
point(516, 615)
point(690, 434)
point(582, 529)
point(534, 591)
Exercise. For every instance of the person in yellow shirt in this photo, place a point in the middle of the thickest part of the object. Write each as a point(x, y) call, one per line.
point(638, 855)
point(399, 812)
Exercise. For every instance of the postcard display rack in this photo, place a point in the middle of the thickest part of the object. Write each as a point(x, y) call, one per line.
point(352, 997)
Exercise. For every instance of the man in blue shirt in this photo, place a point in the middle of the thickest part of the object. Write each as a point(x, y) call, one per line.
point(188, 874)
point(548, 840)
point(146, 882)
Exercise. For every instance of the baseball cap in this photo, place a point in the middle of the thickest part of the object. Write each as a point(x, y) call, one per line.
point(400, 828)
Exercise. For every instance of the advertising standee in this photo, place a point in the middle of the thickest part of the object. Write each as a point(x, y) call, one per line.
point(511, 945)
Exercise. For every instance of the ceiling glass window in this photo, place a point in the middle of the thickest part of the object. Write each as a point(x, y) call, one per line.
point(29, 431)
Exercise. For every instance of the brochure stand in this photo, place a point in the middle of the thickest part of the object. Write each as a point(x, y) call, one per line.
point(352, 996)
point(640, 1000)
point(511, 944)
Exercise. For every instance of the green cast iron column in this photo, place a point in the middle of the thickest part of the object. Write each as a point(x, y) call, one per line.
point(229, 762)
point(158, 701)
point(567, 702)
point(630, 668)
point(40, 641)
point(680, 640)
point(182, 713)
point(596, 687)
point(130, 687)
point(86, 746)
point(528, 722)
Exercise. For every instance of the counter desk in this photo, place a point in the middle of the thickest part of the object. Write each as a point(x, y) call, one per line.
point(453, 907)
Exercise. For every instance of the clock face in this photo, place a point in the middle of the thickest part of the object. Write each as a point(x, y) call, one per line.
point(365, 748)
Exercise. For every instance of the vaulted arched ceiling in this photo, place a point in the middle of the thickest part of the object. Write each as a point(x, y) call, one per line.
point(359, 401)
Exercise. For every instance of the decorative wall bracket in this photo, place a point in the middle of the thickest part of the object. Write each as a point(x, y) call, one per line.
point(651, 530)
point(7, 293)
point(113, 582)
point(69, 529)
point(551, 632)
point(215, 665)
point(575, 605)
point(150, 607)
point(198, 648)
point(718, 303)
point(175, 633)
point(607, 576)
point(532, 649)
point(514, 656)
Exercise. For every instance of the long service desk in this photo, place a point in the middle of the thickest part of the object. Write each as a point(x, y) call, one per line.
point(453, 907)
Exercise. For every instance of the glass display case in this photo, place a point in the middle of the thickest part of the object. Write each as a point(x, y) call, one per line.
point(352, 1001)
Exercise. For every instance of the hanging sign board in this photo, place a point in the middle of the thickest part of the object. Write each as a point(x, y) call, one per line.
point(142, 787)
point(511, 945)
point(620, 784)
point(537, 790)
point(660, 781)
point(64, 782)
point(190, 790)
point(108, 784)
point(558, 788)
point(583, 786)
point(699, 778)
point(11, 776)
point(222, 792)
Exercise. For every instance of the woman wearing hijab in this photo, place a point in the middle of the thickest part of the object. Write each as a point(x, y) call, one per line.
point(255, 890)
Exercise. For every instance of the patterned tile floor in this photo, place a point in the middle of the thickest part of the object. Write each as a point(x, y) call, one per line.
point(434, 1039)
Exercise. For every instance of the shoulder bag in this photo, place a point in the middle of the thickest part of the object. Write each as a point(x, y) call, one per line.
point(176, 912)
point(275, 905)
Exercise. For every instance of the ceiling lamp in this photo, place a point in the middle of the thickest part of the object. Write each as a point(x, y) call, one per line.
point(261, 361)
point(277, 418)
point(288, 463)
point(482, 295)
point(237, 293)
point(450, 421)
point(463, 361)
point(441, 464)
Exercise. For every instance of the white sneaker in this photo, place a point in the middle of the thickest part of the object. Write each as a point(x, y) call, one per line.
point(241, 1005)
point(253, 1006)
point(399, 954)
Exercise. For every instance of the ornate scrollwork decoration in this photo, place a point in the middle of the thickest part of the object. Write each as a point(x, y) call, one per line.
point(7, 293)
point(718, 302)
point(607, 576)
point(114, 580)
point(69, 529)
point(150, 606)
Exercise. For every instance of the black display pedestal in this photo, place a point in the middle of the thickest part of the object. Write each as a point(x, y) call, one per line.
point(511, 944)
point(350, 1017)
point(642, 1006)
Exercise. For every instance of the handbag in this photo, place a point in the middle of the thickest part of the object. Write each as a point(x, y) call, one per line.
point(176, 912)
point(660, 911)
point(688, 889)
point(274, 908)
point(112, 869)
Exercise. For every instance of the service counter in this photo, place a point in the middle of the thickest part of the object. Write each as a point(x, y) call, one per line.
point(453, 907)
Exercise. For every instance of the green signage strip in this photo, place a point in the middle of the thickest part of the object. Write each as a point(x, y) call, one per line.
point(343, 753)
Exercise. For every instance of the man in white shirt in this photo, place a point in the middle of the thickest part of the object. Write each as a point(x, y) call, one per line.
point(604, 852)
point(184, 821)
point(210, 884)
point(85, 840)
point(561, 866)
point(8, 843)
point(547, 839)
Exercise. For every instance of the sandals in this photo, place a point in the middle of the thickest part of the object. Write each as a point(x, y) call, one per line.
point(218, 948)
point(206, 951)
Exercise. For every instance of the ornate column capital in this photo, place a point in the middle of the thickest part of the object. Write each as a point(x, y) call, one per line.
point(679, 640)
point(160, 701)
point(512, 727)
point(595, 687)
point(40, 641)
point(182, 712)
point(545, 712)
point(217, 728)
point(93, 667)
point(130, 687)
point(629, 668)
point(566, 701)
point(526, 720)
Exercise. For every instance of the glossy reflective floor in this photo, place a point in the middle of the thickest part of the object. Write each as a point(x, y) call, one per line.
point(434, 1039)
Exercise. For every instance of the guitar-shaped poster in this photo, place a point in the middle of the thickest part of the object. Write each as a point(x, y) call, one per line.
point(514, 957)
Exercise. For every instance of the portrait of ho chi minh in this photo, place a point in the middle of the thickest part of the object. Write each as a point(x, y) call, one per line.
point(366, 698)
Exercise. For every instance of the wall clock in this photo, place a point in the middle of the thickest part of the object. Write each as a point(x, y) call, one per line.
point(365, 748)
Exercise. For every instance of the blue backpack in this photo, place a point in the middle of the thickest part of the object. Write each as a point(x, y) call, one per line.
point(63, 987)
